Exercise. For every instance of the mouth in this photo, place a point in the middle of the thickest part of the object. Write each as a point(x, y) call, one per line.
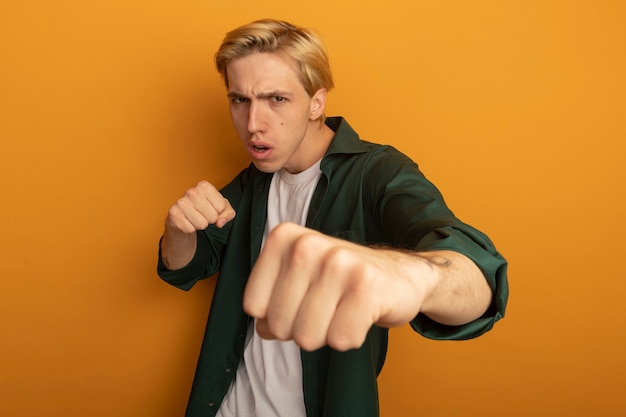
point(259, 151)
point(259, 148)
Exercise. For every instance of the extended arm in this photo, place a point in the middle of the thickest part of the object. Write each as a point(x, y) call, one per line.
point(460, 292)
point(319, 290)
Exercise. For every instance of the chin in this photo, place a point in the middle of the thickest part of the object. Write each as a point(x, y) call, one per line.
point(266, 168)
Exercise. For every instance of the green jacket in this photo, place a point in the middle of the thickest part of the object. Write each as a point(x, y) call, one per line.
point(368, 194)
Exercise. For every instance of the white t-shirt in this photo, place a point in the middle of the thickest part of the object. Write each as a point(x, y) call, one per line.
point(269, 378)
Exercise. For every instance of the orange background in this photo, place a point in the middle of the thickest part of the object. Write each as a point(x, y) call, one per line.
point(110, 110)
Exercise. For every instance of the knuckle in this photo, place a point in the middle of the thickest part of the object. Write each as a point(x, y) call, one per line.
point(203, 189)
point(282, 230)
point(307, 342)
point(176, 212)
point(343, 341)
point(303, 247)
point(278, 234)
point(278, 328)
point(339, 255)
point(191, 194)
point(204, 185)
point(173, 211)
point(339, 261)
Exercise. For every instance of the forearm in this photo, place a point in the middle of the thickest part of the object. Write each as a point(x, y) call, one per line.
point(460, 293)
point(177, 249)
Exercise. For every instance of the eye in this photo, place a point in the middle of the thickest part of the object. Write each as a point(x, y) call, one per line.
point(238, 100)
point(278, 99)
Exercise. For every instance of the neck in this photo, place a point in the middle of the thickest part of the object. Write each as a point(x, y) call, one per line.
point(313, 146)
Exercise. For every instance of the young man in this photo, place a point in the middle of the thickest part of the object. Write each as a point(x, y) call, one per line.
point(323, 243)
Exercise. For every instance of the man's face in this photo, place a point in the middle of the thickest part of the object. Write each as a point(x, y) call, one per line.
point(272, 112)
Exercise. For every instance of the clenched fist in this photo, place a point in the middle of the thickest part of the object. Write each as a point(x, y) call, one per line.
point(199, 207)
point(318, 290)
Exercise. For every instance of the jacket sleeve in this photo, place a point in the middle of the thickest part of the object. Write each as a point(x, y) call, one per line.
point(414, 216)
point(212, 242)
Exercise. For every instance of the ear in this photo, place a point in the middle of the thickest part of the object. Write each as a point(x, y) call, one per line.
point(318, 104)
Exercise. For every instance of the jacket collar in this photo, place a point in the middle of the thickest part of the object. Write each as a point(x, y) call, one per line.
point(346, 140)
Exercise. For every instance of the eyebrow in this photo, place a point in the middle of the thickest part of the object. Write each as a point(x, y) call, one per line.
point(268, 94)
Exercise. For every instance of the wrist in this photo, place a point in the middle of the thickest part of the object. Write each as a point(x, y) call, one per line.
point(177, 248)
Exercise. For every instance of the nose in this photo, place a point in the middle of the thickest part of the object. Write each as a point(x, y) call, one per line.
point(255, 118)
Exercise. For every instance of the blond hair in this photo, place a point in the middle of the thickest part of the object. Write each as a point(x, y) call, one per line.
point(279, 37)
